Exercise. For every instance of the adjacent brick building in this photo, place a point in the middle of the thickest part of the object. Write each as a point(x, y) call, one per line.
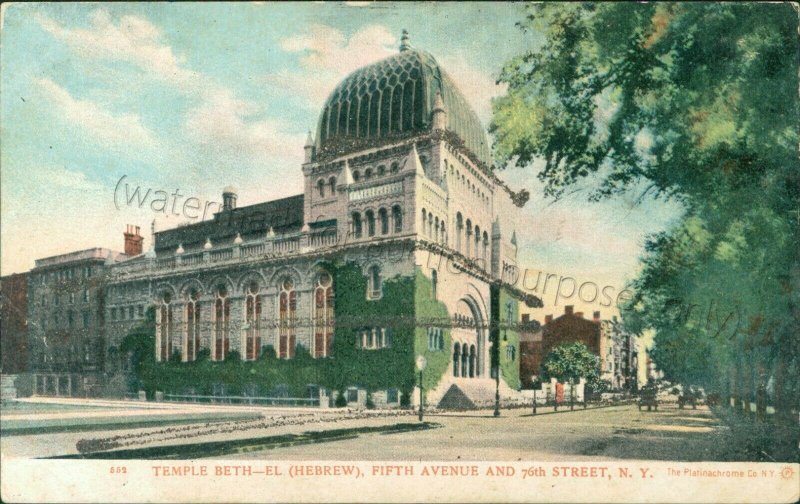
point(605, 338)
point(13, 323)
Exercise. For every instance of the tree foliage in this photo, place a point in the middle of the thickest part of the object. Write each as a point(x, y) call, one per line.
point(697, 102)
point(570, 362)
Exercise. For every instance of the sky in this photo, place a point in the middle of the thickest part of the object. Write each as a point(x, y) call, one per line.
point(98, 100)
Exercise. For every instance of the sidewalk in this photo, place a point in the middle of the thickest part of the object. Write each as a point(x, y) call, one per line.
point(525, 410)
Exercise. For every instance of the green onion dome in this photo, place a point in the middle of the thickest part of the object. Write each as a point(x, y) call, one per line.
point(393, 99)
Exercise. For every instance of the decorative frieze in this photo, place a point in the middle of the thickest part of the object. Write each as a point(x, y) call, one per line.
point(377, 191)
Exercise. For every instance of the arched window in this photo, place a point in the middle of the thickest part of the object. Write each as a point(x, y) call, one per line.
point(222, 317)
point(395, 167)
point(477, 242)
point(430, 224)
point(368, 174)
point(469, 238)
point(436, 235)
point(456, 359)
point(397, 218)
point(370, 215)
point(464, 361)
point(332, 185)
point(321, 187)
point(472, 361)
point(164, 331)
point(287, 301)
point(485, 245)
point(434, 283)
point(375, 287)
point(252, 308)
point(383, 215)
point(356, 175)
point(357, 224)
point(381, 170)
point(444, 234)
point(323, 315)
point(459, 230)
point(424, 221)
point(192, 336)
point(435, 339)
point(511, 353)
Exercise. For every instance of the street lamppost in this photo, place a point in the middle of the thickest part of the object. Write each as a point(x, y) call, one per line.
point(509, 315)
point(534, 385)
point(421, 363)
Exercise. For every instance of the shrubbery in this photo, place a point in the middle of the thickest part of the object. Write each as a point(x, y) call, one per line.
point(349, 366)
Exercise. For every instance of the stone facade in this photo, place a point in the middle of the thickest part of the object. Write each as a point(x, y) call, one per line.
point(399, 222)
point(66, 321)
point(620, 362)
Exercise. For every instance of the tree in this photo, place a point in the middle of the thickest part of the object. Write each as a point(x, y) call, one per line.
point(695, 102)
point(570, 362)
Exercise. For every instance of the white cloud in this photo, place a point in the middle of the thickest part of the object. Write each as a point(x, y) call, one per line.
point(325, 48)
point(112, 130)
point(218, 125)
point(477, 86)
point(228, 126)
point(133, 39)
point(327, 56)
point(69, 179)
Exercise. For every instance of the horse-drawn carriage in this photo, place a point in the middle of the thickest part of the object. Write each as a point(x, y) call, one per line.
point(689, 397)
point(647, 397)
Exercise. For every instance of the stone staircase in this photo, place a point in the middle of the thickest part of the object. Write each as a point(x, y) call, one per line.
point(471, 393)
point(8, 387)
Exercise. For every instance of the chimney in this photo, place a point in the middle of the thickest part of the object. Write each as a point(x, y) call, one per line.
point(526, 318)
point(133, 240)
point(568, 310)
point(548, 319)
point(579, 314)
point(228, 198)
point(596, 316)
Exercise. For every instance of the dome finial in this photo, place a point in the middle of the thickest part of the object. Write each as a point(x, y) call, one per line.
point(404, 44)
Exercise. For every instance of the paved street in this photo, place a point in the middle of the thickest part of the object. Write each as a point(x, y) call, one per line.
point(621, 432)
point(609, 433)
